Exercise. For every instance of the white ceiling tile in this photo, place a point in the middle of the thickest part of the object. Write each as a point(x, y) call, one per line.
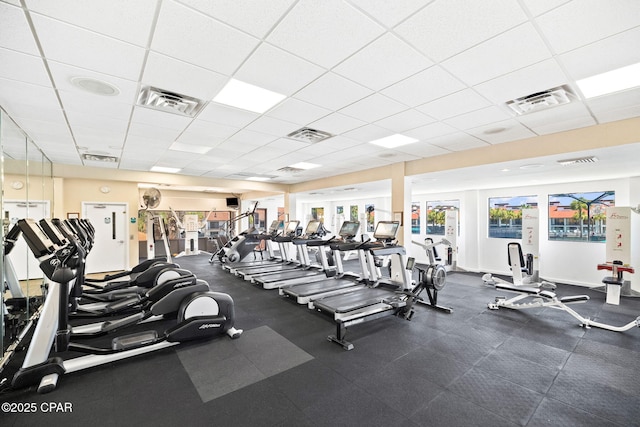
point(553, 118)
point(618, 114)
point(152, 117)
point(51, 114)
point(87, 119)
point(579, 23)
point(499, 56)
point(564, 125)
point(445, 28)
point(382, 63)
point(25, 94)
point(272, 126)
point(389, 13)
point(526, 81)
point(336, 123)
point(23, 67)
point(276, 70)
point(141, 145)
point(329, 145)
point(324, 35)
point(85, 103)
point(256, 18)
point(538, 7)
point(287, 144)
point(199, 139)
point(505, 131)
point(610, 103)
point(477, 118)
point(211, 130)
point(205, 163)
point(177, 76)
point(432, 130)
point(603, 55)
point(15, 33)
point(195, 46)
point(229, 149)
point(90, 50)
point(252, 138)
point(153, 131)
point(333, 92)
point(405, 120)
point(269, 152)
point(457, 103)
point(372, 108)
point(230, 116)
point(423, 87)
point(297, 111)
point(175, 159)
point(368, 133)
point(45, 130)
point(458, 142)
point(121, 19)
point(423, 149)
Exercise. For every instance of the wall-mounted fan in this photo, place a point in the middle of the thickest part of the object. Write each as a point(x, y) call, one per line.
point(151, 198)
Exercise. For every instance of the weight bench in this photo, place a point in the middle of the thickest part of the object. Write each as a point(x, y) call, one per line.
point(544, 298)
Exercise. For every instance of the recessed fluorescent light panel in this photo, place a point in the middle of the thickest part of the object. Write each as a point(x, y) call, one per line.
point(304, 165)
point(611, 81)
point(248, 97)
point(393, 141)
point(189, 148)
point(164, 169)
point(258, 178)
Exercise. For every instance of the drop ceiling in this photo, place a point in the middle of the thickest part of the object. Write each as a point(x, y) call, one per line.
point(438, 71)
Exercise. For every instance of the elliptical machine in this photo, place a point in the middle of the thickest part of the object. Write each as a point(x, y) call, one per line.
point(201, 315)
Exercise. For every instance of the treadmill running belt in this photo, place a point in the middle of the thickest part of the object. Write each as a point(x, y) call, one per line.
point(353, 300)
point(306, 289)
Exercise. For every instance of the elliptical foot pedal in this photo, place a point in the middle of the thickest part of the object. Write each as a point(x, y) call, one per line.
point(133, 340)
point(48, 383)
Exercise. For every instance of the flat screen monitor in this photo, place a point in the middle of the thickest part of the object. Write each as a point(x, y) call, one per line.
point(386, 230)
point(312, 227)
point(349, 229)
point(232, 202)
point(291, 227)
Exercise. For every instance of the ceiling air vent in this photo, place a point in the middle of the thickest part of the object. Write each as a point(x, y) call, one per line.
point(170, 102)
point(577, 160)
point(99, 158)
point(541, 100)
point(289, 169)
point(309, 135)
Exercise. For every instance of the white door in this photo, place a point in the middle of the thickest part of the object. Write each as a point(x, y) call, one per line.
point(25, 264)
point(110, 246)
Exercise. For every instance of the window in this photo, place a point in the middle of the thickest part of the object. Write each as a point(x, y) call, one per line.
point(436, 213)
point(505, 215)
point(415, 218)
point(579, 217)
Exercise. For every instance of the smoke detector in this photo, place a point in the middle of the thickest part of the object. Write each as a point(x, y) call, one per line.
point(170, 102)
point(309, 135)
point(588, 159)
point(541, 100)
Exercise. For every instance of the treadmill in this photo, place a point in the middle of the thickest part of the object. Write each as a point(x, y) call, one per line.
point(307, 272)
point(271, 260)
point(335, 283)
point(286, 263)
point(380, 297)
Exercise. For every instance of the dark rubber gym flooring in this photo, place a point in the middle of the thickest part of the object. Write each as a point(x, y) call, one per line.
point(474, 367)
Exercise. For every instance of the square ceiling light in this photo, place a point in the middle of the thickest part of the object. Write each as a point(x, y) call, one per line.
point(247, 96)
point(393, 141)
point(611, 81)
point(164, 169)
point(304, 165)
point(190, 148)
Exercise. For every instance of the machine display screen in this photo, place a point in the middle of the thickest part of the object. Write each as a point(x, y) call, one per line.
point(291, 227)
point(349, 229)
point(386, 230)
point(274, 226)
point(312, 227)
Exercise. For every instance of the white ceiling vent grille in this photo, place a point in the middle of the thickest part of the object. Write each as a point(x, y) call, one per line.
point(309, 135)
point(578, 160)
point(541, 100)
point(171, 102)
point(289, 169)
point(99, 158)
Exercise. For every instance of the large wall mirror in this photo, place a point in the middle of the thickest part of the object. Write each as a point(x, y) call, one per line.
point(27, 192)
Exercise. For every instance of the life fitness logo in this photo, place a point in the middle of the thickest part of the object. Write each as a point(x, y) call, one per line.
point(529, 216)
point(618, 216)
point(209, 325)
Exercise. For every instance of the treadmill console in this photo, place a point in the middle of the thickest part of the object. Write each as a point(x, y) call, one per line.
point(291, 227)
point(349, 230)
point(386, 231)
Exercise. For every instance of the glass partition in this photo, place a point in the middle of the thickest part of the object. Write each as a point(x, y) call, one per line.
point(27, 192)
